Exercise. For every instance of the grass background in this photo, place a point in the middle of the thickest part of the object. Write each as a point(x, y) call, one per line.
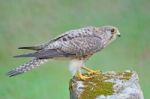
point(30, 22)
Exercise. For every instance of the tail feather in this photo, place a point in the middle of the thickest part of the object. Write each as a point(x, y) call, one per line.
point(26, 67)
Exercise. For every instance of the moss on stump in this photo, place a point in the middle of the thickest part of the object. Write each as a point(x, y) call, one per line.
point(103, 85)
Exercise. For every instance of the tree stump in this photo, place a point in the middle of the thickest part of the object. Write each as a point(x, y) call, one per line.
point(108, 85)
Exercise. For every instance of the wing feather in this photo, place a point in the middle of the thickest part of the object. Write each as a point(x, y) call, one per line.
point(83, 45)
point(75, 42)
point(31, 47)
point(45, 54)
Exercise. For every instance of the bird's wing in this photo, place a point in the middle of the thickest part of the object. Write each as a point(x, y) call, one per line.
point(83, 45)
point(78, 46)
point(45, 54)
point(32, 47)
point(75, 33)
point(74, 42)
point(86, 31)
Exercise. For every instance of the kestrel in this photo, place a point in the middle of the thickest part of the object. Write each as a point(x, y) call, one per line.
point(76, 45)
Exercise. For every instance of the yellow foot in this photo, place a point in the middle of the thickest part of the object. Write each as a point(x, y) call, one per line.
point(82, 77)
point(90, 71)
point(94, 72)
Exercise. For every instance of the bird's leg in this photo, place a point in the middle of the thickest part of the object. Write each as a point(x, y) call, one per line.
point(80, 76)
point(90, 71)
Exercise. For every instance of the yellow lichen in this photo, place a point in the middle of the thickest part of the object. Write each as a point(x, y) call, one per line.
point(96, 86)
point(125, 75)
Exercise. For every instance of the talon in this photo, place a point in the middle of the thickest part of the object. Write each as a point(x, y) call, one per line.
point(82, 77)
point(90, 71)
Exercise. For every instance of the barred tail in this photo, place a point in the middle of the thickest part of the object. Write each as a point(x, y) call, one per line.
point(26, 67)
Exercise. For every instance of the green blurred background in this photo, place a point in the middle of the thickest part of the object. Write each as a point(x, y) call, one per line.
point(30, 22)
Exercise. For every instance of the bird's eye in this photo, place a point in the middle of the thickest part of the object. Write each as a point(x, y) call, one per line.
point(112, 30)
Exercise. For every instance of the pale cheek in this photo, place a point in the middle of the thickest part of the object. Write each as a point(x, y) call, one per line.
point(113, 38)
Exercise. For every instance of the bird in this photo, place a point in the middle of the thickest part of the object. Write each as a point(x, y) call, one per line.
point(76, 45)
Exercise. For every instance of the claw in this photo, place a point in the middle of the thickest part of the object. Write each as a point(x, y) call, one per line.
point(82, 77)
point(90, 71)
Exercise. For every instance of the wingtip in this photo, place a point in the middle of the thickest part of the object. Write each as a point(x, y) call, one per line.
point(18, 56)
point(20, 47)
point(24, 47)
point(31, 48)
point(25, 55)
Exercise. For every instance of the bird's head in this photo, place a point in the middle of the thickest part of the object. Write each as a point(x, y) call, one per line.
point(108, 33)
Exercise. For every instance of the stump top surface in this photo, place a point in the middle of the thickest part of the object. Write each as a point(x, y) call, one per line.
point(105, 85)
